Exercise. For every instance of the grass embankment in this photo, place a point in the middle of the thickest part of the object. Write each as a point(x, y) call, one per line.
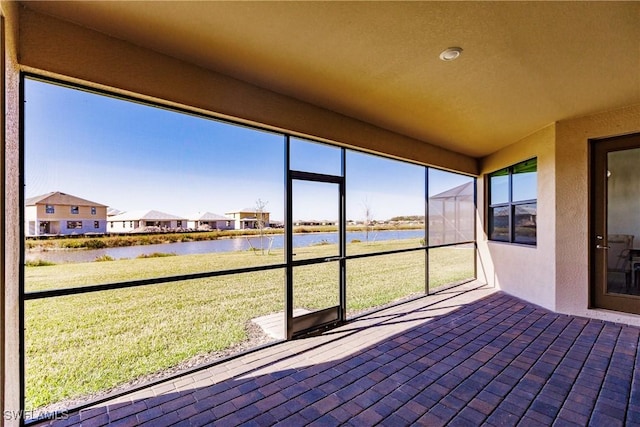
point(115, 241)
point(78, 345)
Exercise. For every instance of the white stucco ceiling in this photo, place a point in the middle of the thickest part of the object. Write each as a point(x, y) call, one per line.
point(524, 65)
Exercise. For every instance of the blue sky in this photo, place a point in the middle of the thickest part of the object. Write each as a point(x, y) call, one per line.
point(131, 156)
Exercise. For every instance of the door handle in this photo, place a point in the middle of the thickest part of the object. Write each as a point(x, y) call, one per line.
point(602, 247)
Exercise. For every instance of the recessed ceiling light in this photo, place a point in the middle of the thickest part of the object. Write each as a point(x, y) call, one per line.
point(451, 53)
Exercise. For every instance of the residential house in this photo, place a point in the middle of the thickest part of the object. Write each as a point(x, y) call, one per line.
point(145, 221)
point(209, 221)
point(249, 218)
point(61, 214)
point(113, 212)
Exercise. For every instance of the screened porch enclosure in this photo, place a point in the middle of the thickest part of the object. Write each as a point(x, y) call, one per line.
point(143, 307)
point(451, 215)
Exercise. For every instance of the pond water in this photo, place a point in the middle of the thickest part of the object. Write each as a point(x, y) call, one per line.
point(221, 245)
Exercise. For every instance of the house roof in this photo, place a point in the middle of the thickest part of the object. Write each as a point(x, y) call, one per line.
point(59, 198)
point(148, 215)
point(524, 65)
point(208, 216)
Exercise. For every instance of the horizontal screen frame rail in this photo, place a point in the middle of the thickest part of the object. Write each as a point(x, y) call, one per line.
point(78, 290)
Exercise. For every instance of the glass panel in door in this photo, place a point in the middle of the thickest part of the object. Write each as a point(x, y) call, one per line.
point(623, 222)
point(616, 224)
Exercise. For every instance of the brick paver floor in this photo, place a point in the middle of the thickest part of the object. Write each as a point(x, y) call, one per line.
point(494, 361)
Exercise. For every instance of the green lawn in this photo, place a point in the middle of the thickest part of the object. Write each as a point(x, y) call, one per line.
point(77, 345)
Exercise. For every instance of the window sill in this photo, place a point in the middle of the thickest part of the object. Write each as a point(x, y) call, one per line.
point(523, 245)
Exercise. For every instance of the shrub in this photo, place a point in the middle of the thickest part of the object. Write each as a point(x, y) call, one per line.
point(103, 258)
point(356, 241)
point(38, 263)
point(95, 244)
point(123, 241)
point(71, 244)
point(156, 255)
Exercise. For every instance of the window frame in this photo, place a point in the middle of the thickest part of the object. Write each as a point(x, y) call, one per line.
point(510, 205)
point(74, 225)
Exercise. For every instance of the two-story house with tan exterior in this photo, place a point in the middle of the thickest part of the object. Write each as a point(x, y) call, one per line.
point(59, 213)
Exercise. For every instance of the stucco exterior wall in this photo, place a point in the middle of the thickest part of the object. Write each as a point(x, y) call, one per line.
point(31, 221)
point(64, 212)
point(554, 274)
point(58, 219)
point(524, 271)
point(121, 226)
point(9, 357)
point(572, 222)
point(210, 224)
